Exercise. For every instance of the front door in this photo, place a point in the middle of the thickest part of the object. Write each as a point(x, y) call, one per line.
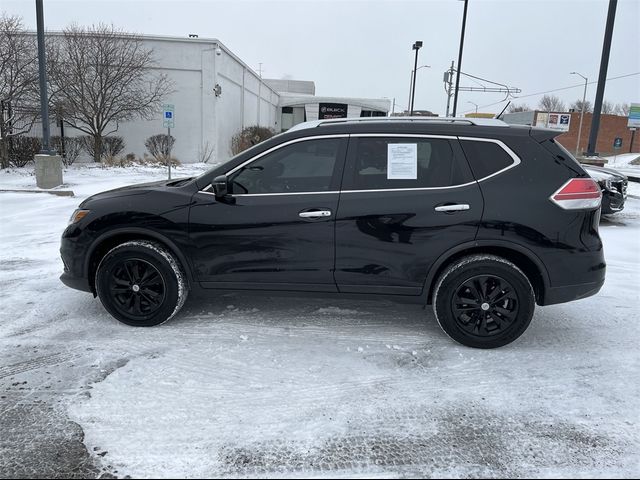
point(275, 230)
point(405, 200)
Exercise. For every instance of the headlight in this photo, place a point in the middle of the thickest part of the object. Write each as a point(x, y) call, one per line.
point(607, 184)
point(77, 216)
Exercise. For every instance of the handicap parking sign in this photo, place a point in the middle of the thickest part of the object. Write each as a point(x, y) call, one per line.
point(167, 116)
point(617, 143)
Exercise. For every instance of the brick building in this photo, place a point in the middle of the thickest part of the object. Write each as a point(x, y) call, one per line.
point(611, 127)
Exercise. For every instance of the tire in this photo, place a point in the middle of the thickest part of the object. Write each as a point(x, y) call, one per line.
point(483, 301)
point(140, 283)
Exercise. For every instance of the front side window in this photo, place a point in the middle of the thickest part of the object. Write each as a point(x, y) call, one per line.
point(306, 166)
point(390, 163)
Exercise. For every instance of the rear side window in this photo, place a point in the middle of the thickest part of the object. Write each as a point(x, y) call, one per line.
point(389, 163)
point(485, 158)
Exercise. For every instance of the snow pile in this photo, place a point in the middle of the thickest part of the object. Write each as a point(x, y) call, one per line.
point(622, 160)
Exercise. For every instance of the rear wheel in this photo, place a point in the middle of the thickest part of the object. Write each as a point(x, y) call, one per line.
point(141, 283)
point(483, 301)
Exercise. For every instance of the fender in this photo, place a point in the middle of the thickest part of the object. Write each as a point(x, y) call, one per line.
point(184, 261)
point(442, 259)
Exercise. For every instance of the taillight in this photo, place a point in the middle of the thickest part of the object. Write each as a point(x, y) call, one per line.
point(577, 194)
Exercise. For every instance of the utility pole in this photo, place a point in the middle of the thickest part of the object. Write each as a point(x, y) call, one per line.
point(448, 80)
point(464, 26)
point(602, 78)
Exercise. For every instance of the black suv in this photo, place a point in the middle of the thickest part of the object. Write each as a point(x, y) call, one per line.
point(480, 219)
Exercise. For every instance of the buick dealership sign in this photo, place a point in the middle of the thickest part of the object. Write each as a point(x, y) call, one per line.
point(332, 110)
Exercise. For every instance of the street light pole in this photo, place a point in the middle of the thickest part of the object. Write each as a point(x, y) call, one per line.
point(473, 103)
point(584, 99)
point(464, 25)
point(602, 78)
point(411, 85)
point(416, 47)
point(42, 68)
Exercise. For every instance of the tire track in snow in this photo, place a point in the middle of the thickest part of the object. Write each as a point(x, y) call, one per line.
point(36, 363)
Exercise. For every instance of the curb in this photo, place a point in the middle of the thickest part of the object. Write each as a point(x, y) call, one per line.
point(59, 193)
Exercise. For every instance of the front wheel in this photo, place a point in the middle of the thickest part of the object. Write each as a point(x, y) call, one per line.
point(141, 283)
point(483, 301)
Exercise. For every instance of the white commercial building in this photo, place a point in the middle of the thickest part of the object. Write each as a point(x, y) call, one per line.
point(215, 95)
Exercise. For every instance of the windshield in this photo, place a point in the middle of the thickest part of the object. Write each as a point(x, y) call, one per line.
point(248, 150)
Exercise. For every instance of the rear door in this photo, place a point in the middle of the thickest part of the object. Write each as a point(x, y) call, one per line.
point(405, 200)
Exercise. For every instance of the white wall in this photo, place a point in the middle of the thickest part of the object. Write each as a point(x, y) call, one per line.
point(238, 106)
point(202, 120)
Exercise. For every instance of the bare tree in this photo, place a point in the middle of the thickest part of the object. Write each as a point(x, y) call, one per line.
point(551, 103)
point(622, 109)
point(577, 106)
point(18, 77)
point(523, 107)
point(101, 77)
point(608, 108)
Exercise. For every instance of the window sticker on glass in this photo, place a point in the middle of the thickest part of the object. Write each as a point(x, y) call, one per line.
point(402, 161)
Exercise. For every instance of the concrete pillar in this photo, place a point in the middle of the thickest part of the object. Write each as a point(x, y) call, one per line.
point(48, 171)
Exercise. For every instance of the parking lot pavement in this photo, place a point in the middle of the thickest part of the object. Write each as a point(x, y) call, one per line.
point(243, 385)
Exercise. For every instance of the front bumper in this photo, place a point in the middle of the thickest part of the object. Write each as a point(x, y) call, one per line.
point(613, 199)
point(77, 283)
point(612, 202)
point(72, 251)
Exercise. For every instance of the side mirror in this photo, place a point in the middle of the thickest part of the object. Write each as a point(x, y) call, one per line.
point(220, 186)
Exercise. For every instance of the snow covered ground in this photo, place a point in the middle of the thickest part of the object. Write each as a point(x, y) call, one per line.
point(241, 385)
point(622, 160)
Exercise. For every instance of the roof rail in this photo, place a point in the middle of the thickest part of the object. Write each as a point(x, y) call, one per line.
point(446, 120)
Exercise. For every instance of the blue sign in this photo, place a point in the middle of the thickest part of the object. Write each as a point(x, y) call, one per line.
point(168, 119)
point(617, 143)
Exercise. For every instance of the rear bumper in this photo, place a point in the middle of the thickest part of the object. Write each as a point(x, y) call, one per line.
point(569, 293)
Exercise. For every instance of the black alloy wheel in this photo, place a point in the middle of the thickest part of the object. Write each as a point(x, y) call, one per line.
point(141, 283)
point(137, 287)
point(485, 305)
point(483, 301)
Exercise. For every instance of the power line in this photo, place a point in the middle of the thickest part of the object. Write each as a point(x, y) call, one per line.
point(556, 90)
point(577, 85)
point(482, 79)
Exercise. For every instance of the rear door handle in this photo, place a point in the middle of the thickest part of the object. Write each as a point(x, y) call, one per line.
point(315, 214)
point(458, 207)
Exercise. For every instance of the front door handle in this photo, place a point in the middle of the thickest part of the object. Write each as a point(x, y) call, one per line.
point(452, 208)
point(315, 214)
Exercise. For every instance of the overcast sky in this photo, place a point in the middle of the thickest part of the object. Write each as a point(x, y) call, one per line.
point(363, 48)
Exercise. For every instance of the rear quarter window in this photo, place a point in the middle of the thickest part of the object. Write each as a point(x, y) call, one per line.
point(485, 158)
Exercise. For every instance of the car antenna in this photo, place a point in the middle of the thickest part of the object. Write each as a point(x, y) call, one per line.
point(505, 107)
